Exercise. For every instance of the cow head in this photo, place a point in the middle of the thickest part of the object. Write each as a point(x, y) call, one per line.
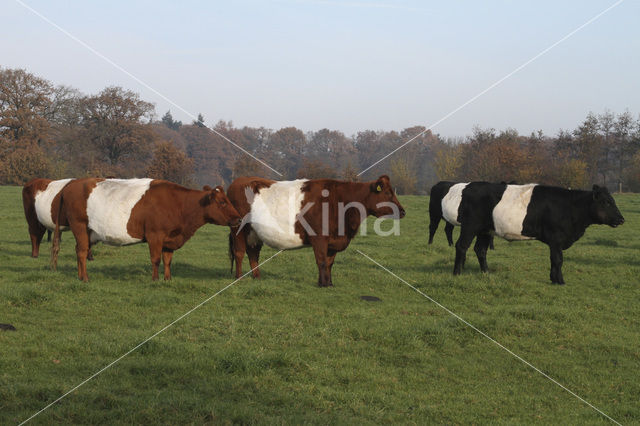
point(218, 209)
point(381, 198)
point(604, 209)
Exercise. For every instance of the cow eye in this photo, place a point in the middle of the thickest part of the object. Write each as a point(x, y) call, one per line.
point(223, 203)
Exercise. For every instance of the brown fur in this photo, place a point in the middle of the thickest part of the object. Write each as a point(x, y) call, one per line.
point(325, 247)
point(165, 217)
point(36, 229)
point(239, 244)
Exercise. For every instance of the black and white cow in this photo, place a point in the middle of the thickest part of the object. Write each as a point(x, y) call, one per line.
point(438, 192)
point(556, 216)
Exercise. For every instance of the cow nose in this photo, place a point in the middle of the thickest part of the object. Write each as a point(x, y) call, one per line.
point(402, 213)
point(235, 222)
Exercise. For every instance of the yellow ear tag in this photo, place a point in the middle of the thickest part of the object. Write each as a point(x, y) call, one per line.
point(378, 188)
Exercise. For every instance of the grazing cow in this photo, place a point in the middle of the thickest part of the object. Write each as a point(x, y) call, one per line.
point(128, 211)
point(322, 213)
point(556, 216)
point(438, 192)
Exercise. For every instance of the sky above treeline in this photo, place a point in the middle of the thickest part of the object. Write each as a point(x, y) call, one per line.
point(345, 65)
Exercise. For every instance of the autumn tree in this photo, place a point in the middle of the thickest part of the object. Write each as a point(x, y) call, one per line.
point(350, 173)
point(403, 176)
point(213, 156)
point(24, 104)
point(171, 164)
point(316, 169)
point(113, 125)
point(448, 161)
point(571, 173)
point(626, 142)
point(589, 143)
point(287, 145)
point(24, 164)
point(331, 147)
point(247, 166)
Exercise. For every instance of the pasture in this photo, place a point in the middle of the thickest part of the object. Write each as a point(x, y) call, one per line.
point(281, 350)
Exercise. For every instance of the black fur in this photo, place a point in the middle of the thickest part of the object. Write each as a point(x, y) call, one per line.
point(438, 191)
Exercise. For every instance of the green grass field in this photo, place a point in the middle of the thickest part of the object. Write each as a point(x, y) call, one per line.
point(281, 350)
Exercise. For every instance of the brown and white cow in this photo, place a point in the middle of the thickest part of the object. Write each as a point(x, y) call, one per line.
point(40, 199)
point(129, 211)
point(322, 213)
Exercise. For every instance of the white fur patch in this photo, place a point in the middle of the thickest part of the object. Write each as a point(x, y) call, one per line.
point(43, 202)
point(273, 214)
point(109, 207)
point(509, 213)
point(451, 203)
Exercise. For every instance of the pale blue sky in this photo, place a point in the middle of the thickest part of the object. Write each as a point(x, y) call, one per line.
point(349, 65)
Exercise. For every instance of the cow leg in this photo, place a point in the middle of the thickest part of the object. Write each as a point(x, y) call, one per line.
point(556, 265)
point(448, 230)
point(331, 257)
point(36, 233)
point(81, 232)
point(167, 255)
point(90, 253)
point(238, 248)
point(491, 242)
point(254, 256)
point(462, 245)
point(155, 250)
point(433, 227)
point(482, 243)
point(320, 247)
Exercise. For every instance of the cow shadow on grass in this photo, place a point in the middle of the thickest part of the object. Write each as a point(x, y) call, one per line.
point(603, 261)
point(603, 242)
point(26, 252)
point(138, 272)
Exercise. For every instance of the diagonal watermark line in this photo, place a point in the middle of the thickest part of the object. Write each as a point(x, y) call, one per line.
point(138, 80)
point(111, 364)
point(468, 324)
point(498, 82)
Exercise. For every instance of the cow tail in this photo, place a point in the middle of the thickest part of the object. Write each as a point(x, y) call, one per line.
point(231, 249)
point(55, 246)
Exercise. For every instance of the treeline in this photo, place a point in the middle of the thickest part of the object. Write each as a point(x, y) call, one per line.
point(56, 131)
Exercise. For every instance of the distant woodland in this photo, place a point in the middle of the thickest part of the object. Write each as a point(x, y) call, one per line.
point(57, 131)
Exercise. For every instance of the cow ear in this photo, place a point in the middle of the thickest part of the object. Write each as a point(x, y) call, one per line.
point(206, 188)
point(595, 188)
point(377, 186)
point(219, 189)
